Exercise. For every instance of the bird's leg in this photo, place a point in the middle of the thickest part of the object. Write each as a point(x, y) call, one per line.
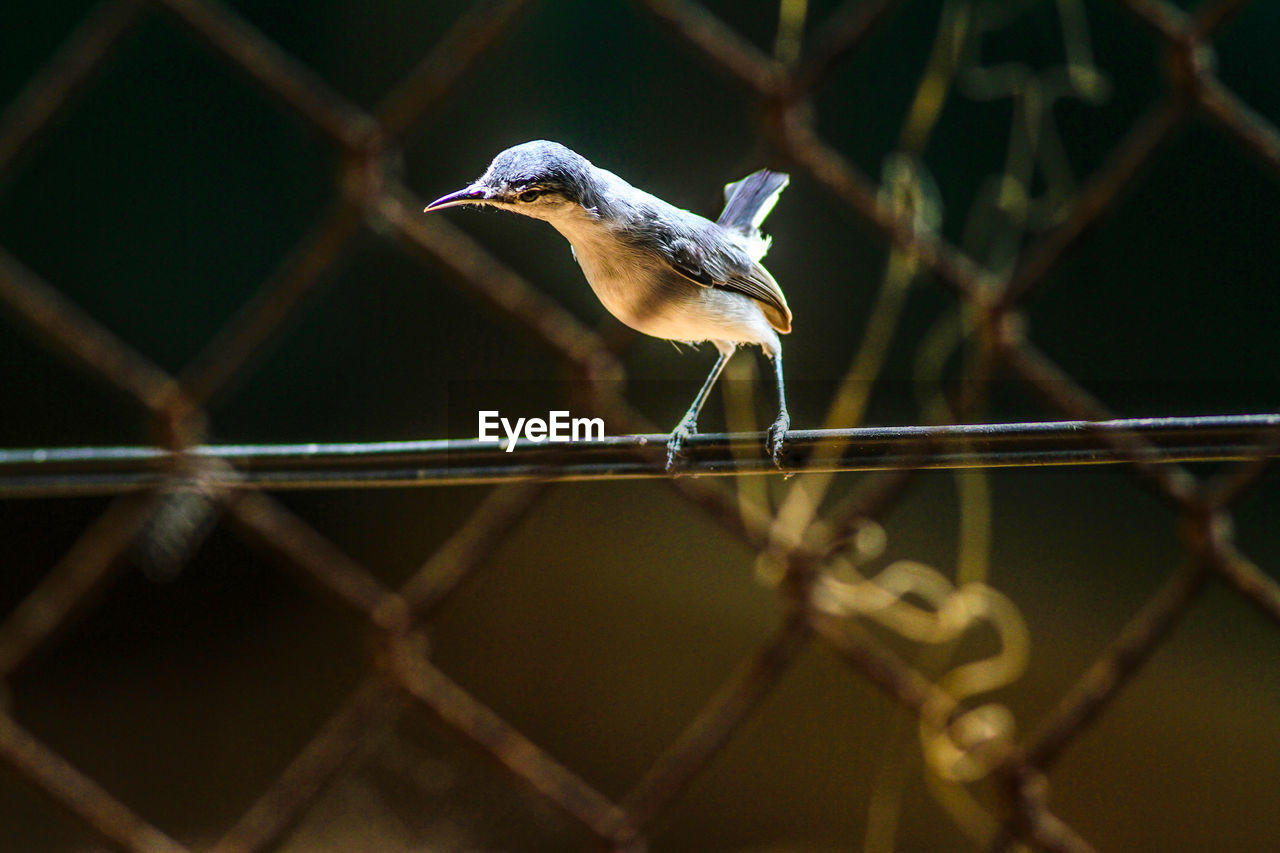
point(689, 423)
point(777, 435)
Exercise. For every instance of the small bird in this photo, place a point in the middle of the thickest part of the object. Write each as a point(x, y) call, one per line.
point(659, 269)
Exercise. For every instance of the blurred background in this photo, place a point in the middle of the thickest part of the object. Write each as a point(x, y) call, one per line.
point(172, 186)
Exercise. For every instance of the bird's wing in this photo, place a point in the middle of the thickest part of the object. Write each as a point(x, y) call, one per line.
point(715, 267)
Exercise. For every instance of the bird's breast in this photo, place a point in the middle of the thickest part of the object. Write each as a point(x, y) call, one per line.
point(646, 293)
point(633, 287)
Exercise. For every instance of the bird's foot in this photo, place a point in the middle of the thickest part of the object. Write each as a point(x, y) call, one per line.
point(776, 439)
point(675, 444)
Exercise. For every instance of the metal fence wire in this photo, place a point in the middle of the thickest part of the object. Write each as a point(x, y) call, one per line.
point(815, 556)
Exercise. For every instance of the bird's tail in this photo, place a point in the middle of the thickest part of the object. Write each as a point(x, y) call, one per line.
point(748, 201)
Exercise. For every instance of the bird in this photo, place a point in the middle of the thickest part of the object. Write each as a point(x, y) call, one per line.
point(662, 270)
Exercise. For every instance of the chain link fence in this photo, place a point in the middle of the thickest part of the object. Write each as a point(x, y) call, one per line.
point(898, 628)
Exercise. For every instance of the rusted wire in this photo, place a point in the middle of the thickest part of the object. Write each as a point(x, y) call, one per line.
point(105, 815)
point(74, 65)
point(351, 733)
point(1111, 671)
point(736, 699)
point(401, 678)
point(463, 712)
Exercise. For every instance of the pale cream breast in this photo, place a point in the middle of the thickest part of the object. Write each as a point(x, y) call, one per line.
point(650, 296)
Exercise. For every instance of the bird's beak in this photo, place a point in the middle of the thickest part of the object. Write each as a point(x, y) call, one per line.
point(469, 195)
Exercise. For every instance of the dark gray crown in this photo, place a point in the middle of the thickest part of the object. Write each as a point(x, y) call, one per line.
point(542, 164)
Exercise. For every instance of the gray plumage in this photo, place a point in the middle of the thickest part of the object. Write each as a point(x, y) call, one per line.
point(662, 270)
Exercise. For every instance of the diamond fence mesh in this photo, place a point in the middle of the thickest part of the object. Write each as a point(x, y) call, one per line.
point(935, 644)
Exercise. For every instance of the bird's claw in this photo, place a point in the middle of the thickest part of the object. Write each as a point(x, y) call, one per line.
point(776, 440)
point(675, 444)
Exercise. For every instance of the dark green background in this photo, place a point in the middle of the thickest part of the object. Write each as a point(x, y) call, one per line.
point(172, 188)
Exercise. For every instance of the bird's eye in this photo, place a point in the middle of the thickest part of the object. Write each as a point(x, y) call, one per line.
point(530, 195)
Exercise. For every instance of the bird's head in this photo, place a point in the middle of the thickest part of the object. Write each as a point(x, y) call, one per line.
point(539, 179)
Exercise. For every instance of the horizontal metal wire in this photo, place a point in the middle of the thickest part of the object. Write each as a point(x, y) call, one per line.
point(369, 190)
point(109, 470)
